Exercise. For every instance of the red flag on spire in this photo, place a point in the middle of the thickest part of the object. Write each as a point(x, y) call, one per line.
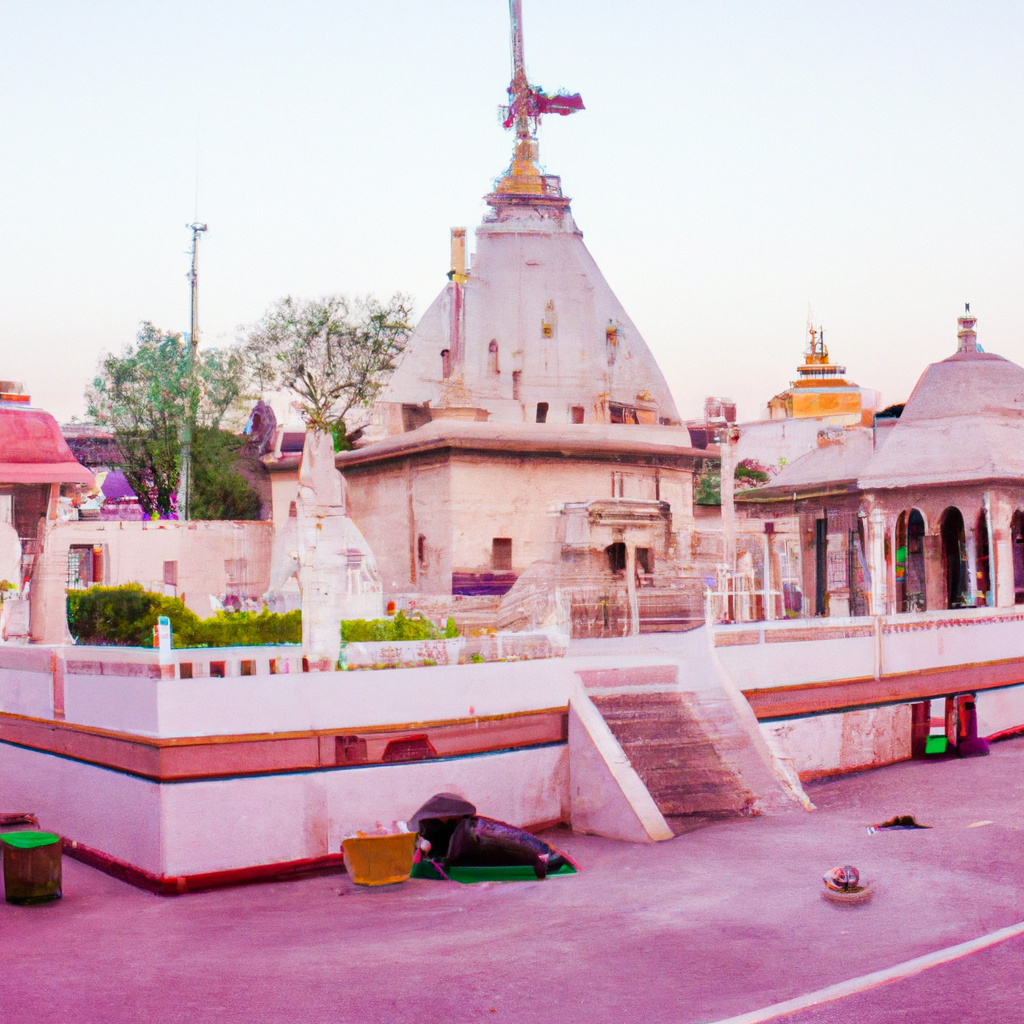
point(539, 103)
point(558, 103)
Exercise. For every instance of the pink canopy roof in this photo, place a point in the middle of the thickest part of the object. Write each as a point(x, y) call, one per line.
point(33, 450)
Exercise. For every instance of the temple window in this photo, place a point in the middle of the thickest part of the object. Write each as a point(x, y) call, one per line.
point(611, 337)
point(81, 567)
point(616, 556)
point(577, 413)
point(517, 379)
point(542, 412)
point(236, 571)
point(645, 560)
point(421, 550)
point(621, 413)
point(446, 363)
point(492, 357)
point(501, 553)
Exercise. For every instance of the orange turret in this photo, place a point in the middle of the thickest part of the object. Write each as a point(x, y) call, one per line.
point(821, 390)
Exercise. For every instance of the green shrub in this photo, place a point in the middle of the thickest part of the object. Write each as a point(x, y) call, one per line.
point(249, 629)
point(361, 631)
point(113, 615)
point(125, 616)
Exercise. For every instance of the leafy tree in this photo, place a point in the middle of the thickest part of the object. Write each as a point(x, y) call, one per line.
point(334, 353)
point(143, 396)
point(708, 482)
point(219, 491)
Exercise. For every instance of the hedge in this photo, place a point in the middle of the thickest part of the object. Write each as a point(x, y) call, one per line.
point(125, 616)
point(399, 628)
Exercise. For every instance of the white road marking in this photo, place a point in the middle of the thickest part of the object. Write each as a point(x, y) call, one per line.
point(867, 981)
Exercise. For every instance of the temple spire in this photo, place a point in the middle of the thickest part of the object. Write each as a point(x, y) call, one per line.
point(527, 104)
point(966, 336)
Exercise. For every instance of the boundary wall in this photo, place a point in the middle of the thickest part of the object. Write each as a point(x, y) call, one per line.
point(226, 762)
point(833, 695)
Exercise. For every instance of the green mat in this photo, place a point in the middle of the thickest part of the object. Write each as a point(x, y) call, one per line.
point(935, 745)
point(519, 873)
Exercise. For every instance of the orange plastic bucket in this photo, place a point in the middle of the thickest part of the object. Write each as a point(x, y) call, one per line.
point(379, 860)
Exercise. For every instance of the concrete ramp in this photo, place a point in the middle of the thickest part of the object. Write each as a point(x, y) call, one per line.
point(687, 733)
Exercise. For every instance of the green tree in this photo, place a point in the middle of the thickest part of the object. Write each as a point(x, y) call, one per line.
point(708, 480)
point(334, 353)
point(219, 491)
point(142, 395)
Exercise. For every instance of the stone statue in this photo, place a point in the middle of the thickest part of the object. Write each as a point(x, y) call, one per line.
point(336, 570)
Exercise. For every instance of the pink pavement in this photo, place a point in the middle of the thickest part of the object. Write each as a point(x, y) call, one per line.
point(717, 922)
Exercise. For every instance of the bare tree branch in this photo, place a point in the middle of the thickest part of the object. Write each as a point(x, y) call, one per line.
point(333, 353)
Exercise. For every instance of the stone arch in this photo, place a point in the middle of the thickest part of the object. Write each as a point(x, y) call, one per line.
point(982, 559)
point(956, 586)
point(1017, 545)
point(911, 593)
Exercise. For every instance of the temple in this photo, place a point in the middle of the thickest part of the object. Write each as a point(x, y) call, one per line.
point(923, 510)
point(821, 391)
point(524, 395)
point(529, 331)
point(527, 485)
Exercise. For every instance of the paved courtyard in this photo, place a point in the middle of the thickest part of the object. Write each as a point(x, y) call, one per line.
point(719, 922)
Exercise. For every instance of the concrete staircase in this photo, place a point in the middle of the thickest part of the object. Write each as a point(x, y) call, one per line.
point(671, 751)
point(688, 734)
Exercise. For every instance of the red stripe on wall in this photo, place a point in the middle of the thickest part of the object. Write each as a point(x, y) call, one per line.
point(177, 885)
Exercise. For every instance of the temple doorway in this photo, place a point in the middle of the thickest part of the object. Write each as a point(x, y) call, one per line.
point(954, 559)
point(857, 571)
point(820, 566)
point(1017, 544)
point(983, 571)
point(910, 590)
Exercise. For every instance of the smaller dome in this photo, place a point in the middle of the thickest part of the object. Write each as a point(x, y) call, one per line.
point(963, 422)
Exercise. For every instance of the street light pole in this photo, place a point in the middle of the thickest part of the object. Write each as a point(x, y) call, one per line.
point(191, 397)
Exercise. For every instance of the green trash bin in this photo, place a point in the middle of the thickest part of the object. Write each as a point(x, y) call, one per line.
point(32, 866)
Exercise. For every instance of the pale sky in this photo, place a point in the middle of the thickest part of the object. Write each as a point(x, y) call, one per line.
point(736, 162)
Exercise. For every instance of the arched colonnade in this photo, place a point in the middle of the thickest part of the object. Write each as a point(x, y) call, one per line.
point(955, 559)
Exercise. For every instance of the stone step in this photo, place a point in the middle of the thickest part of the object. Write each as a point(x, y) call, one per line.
point(679, 754)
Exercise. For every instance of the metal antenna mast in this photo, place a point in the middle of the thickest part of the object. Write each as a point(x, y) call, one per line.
point(191, 394)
